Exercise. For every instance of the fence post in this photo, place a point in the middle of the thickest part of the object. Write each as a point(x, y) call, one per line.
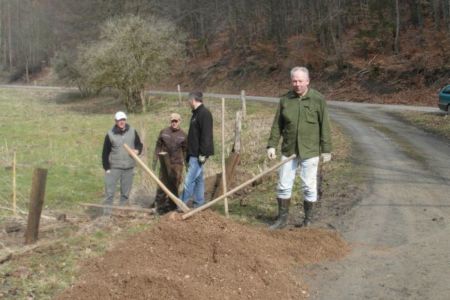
point(244, 104)
point(179, 93)
point(36, 203)
point(224, 173)
point(14, 185)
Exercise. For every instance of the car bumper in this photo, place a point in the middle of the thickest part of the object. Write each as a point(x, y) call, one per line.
point(443, 106)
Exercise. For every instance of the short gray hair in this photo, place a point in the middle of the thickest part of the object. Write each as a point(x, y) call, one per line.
point(197, 95)
point(300, 69)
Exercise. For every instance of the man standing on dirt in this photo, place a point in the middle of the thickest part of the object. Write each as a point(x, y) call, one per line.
point(172, 141)
point(200, 147)
point(117, 163)
point(302, 122)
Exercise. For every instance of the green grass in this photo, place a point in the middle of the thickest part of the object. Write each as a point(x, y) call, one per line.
point(438, 124)
point(64, 133)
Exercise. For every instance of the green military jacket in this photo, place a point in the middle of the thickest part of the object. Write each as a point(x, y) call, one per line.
point(303, 124)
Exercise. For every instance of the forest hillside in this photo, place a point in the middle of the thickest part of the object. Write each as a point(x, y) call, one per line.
point(365, 50)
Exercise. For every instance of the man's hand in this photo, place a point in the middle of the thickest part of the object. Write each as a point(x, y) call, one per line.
point(326, 157)
point(136, 151)
point(201, 159)
point(271, 153)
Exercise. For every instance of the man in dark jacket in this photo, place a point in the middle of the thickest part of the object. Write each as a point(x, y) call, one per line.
point(172, 141)
point(200, 147)
point(302, 123)
point(117, 163)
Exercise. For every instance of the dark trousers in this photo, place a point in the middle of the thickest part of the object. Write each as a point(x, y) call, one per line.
point(172, 181)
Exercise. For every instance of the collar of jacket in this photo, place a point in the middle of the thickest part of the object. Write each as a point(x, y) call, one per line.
point(116, 130)
point(292, 95)
point(198, 108)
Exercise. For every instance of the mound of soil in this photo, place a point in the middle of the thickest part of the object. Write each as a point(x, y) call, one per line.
point(206, 257)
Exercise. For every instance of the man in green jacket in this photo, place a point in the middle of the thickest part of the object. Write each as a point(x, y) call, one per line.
point(302, 123)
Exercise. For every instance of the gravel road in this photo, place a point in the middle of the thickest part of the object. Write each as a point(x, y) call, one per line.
point(400, 230)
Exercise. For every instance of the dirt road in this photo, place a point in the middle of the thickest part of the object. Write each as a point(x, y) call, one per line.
point(401, 228)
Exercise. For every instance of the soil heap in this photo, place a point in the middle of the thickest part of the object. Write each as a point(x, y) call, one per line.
point(206, 257)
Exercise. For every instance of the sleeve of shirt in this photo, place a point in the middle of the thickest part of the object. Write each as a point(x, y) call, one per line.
point(105, 153)
point(275, 132)
point(137, 142)
point(206, 141)
point(184, 145)
point(325, 130)
point(158, 147)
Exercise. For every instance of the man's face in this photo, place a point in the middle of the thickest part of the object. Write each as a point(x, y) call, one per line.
point(191, 103)
point(175, 124)
point(121, 123)
point(300, 82)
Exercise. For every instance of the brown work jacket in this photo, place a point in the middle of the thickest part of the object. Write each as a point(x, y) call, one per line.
point(174, 142)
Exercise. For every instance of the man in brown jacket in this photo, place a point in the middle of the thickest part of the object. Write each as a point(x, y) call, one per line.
point(173, 141)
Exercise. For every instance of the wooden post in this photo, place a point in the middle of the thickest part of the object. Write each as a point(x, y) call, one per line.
point(211, 203)
point(237, 132)
point(232, 160)
point(174, 198)
point(36, 203)
point(244, 104)
point(179, 93)
point(14, 185)
point(224, 173)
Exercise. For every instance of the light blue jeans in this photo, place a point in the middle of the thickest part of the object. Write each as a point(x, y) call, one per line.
point(194, 184)
point(308, 176)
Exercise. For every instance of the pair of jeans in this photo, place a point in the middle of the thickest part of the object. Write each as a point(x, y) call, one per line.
point(308, 176)
point(194, 184)
point(125, 176)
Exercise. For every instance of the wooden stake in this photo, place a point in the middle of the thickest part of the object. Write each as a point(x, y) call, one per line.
point(212, 202)
point(244, 104)
point(36, 203)
point(237, 132)
point(224, 173)
point(129, 208)
point(174, 198)
point(14, 185)
point(179, 93)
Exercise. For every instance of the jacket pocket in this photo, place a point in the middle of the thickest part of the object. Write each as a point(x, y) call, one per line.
point(311, 115)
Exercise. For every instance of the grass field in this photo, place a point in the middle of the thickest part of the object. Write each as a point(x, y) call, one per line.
point(438, 124)
point(64, 133)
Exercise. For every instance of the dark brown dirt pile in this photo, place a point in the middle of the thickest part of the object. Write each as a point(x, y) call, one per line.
point(206, 257)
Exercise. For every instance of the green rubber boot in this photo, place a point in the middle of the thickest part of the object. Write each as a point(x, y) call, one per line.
point(283, 214)
point(308, 207)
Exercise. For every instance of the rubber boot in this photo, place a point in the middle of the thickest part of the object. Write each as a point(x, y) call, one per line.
point(308, 207)
point(283, 214)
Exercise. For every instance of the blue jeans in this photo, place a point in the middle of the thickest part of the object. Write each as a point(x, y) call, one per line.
point(308, 176)
point(194, 185)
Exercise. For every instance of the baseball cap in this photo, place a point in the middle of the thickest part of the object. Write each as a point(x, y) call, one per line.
point(175, 116)
point(120, 115)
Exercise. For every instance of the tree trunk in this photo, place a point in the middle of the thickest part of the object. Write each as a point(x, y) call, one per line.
point(397, 28)
point(10, 56)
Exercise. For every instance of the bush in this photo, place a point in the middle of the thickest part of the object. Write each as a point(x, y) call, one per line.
point(130, 53)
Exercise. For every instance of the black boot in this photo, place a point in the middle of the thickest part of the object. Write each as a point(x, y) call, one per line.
point(283, 214)
point(308, 207)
